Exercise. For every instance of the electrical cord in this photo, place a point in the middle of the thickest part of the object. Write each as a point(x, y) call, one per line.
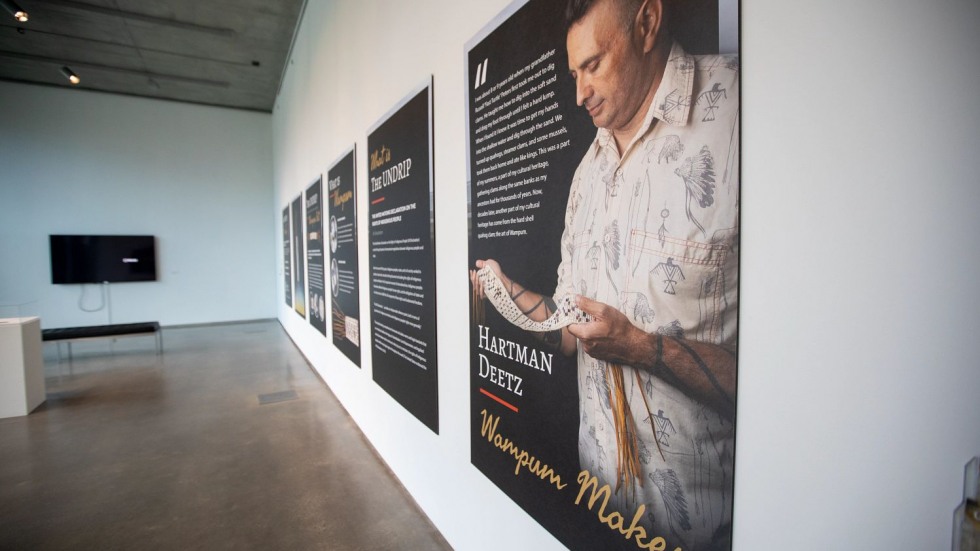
point(81, 300)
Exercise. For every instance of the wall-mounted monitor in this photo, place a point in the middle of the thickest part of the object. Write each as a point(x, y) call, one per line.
point(102, 258)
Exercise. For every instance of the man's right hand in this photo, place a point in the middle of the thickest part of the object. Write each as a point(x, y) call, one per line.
point(478, 285)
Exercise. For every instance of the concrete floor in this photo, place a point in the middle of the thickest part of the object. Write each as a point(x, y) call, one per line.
point(138, 451)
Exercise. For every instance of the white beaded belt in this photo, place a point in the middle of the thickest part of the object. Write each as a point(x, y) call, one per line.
point(566, 312)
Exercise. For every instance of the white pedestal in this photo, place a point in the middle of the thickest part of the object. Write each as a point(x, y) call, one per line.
point(21, 366)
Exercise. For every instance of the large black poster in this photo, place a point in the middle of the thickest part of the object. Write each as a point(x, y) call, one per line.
point(603, 170)
point(314, 255)
point(299, 258)
point(287, 258)
point(402, 261)
point(344, 273)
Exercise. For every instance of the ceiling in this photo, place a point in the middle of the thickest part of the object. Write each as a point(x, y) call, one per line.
point(229, 53)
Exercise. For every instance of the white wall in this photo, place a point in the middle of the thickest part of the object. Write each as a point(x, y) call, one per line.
point(198, 178)
point(858, 374)
point(859, 363)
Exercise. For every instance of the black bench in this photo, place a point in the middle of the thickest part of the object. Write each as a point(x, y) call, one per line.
point(103, 331)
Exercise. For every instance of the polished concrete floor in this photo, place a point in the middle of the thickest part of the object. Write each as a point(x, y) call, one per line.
point(226, 441)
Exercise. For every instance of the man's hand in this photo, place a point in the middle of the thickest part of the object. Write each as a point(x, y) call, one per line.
point(533, 305)
point(703, 370)
point(610, 336)
point(478, 285)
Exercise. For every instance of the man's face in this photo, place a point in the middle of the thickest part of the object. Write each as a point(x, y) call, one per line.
point(607, 67)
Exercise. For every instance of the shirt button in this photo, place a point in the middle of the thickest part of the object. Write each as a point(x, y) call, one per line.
point(619, 172)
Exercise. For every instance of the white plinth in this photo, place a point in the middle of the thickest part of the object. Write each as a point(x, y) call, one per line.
point(21, 366)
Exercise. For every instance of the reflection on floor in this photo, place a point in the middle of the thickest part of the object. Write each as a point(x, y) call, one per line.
point(226, 441)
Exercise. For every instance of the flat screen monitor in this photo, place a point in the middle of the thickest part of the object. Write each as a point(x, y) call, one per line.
point(102, 258)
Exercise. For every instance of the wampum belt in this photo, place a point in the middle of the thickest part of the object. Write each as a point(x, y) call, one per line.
point(566, 312)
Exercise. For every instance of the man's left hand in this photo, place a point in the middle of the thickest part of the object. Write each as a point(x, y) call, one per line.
point(610, 336)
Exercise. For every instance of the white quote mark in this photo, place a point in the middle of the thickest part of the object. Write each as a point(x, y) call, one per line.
point(481, 74)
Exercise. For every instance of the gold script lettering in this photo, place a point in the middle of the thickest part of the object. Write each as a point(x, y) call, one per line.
point(488, 429)
point(614, 520)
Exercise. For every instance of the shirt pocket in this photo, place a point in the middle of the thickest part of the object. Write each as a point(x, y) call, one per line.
point(683, 283)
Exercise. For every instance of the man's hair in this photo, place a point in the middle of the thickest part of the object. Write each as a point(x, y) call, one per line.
point(576, 10)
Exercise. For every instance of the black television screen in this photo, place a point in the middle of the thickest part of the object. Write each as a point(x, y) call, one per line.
point(102, 258)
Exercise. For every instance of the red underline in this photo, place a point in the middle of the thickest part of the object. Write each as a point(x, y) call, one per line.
point(503, 403)
point(378, 200)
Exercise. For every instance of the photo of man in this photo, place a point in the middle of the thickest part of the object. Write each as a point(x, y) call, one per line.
point(649, 250)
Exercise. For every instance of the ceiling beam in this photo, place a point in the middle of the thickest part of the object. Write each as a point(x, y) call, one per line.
point(146, 74)
point(175, 23)
point(85, 39)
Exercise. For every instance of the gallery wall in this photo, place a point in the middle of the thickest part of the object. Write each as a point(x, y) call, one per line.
point(858, 381)
point(196, 177)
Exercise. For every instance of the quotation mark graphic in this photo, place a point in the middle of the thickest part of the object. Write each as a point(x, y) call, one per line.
point(481, 74)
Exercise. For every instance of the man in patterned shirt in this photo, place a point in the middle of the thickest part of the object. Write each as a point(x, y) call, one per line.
point(650, 247)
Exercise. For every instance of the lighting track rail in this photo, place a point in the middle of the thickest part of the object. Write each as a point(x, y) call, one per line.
point(146, 74)
point(134, 16)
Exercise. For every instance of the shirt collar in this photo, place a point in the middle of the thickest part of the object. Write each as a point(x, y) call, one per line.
point(672, 102)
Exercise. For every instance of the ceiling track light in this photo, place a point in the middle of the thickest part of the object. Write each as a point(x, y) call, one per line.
point(70, 75)
point(15, 10)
